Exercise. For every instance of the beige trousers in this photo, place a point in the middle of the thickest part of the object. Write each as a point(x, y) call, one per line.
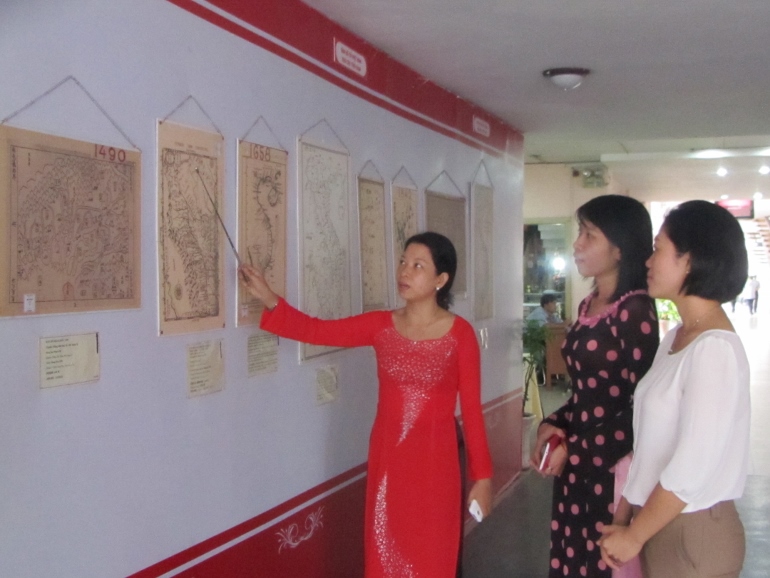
point(708, 543)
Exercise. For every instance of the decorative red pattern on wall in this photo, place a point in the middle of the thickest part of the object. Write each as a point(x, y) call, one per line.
point(390, 84)
point(322, 540)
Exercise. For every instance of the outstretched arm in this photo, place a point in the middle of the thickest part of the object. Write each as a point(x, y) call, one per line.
point(284, 320)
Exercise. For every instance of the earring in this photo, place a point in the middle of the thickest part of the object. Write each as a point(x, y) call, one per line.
point(438, 288)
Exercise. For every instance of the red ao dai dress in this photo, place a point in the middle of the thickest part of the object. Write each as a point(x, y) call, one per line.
point(412, 512)
point(606, 355)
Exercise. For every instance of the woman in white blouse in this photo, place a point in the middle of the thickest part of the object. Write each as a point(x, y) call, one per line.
point(691, 410)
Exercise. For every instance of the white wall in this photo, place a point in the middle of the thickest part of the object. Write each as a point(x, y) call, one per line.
point(107, 478)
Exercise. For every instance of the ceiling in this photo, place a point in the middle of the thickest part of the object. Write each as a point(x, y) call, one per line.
point(668, 77)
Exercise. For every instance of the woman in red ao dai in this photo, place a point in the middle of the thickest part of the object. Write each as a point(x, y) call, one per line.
point(426, 356)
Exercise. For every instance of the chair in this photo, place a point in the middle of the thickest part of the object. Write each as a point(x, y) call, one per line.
point(554, 362)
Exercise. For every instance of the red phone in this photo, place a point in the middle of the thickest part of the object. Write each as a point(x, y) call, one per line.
point(550, 445)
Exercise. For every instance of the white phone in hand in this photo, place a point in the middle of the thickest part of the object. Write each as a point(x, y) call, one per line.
point(475, 511)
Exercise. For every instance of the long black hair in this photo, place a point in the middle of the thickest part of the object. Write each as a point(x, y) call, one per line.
point(444, 256)
point(627, 225)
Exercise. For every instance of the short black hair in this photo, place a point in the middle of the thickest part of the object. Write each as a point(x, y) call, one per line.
point(547, 298)
point(627, 225)
point(719, 264)
point(444, 256)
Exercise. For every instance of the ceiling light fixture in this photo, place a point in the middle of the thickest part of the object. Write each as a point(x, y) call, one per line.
point(764, 170)
point(566, 78)
point(721, 171)
point(758, 196)
point(724, 197)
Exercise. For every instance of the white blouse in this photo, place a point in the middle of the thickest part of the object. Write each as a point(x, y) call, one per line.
point(691, 422)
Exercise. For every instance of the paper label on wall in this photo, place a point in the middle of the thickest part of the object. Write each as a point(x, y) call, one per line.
point(205, 367)
point(327, 389)
point(262, 353)
point(69, 359)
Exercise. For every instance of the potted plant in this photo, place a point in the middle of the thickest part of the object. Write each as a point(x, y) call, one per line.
point(533, 337)
point(668, 315)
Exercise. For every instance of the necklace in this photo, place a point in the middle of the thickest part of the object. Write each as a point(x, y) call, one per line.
point(685, 331)
point(692, 327)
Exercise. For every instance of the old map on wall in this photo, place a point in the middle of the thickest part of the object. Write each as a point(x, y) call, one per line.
point(325, 236)
point(261, 221)
point(482, 215)
point(190, 239)
point(446, 215)
point(371, 222)
point(69, 224)
point(405, 222)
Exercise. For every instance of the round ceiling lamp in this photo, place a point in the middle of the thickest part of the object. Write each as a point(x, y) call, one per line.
point(566, 78)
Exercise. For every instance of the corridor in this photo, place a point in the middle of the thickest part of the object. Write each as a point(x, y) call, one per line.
point(513, 541)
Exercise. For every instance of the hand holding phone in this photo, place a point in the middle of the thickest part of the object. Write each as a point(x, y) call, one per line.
point(552, 443)
point(475, 511)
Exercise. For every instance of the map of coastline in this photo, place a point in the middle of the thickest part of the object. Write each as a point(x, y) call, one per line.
point(190, 236)
point(325, 229)
point(371, 218)
point(262, 220)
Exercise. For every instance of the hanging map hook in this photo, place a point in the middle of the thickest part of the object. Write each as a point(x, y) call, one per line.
point(58, 85)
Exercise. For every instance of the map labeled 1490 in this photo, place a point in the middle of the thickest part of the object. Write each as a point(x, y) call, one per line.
point(70, 225)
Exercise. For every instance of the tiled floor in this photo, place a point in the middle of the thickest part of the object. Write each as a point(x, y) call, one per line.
point(513, 541)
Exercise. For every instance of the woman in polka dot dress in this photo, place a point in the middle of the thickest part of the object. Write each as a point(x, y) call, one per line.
point(607, 350)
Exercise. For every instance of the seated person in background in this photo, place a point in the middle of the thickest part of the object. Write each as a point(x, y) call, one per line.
point(546, 313)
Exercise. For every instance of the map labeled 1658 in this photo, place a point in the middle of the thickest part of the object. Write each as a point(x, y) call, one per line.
point(69, 224)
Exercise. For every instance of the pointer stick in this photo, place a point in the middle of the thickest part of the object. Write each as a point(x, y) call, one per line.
point(221, 222)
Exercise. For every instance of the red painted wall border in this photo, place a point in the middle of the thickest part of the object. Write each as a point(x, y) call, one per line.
point(303, 36)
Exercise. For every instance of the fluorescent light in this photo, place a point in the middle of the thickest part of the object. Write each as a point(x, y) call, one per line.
point(712, 154)
point(764, 170)
point(724, 197)
point(721, 171)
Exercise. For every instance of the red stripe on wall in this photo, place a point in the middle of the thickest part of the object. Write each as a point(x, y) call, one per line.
point(314, 35)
